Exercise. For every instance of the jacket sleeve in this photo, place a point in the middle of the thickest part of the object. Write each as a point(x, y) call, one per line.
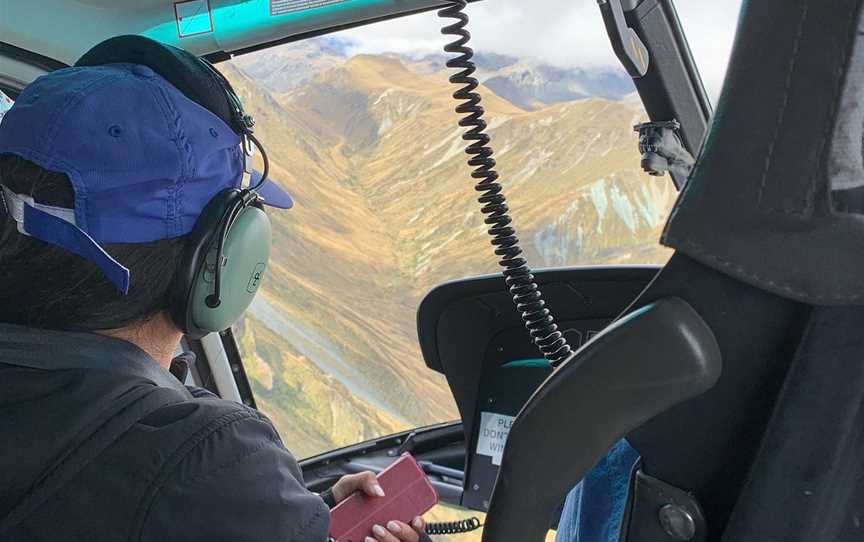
point(234, 480)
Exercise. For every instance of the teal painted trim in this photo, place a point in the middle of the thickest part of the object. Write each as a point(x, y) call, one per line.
point(243, 20)
point(532, 362)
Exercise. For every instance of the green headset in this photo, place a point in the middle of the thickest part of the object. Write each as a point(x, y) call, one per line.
point(233, 229)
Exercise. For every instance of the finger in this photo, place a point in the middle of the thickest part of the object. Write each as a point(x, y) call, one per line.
point(381, 535)
point(353, 482)
point(344, 487)
point(419, 524)
point(369, 483)
point(403, 531)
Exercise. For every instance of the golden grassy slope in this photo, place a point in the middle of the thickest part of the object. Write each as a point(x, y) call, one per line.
point(385, 210)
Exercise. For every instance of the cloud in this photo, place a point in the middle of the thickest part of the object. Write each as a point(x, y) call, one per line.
point(560, 32)
point(710, 29)
point(513, 27)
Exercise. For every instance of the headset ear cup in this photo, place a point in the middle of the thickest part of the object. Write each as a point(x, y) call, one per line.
point(199, 242)
point(245, 257)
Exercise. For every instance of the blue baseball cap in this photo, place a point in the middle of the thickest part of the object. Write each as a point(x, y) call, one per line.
point(142, 158)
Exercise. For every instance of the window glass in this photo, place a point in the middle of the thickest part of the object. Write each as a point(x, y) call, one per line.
point(710, 30)
point(360, 128)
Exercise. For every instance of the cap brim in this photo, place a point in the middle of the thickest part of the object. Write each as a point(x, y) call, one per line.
point(271, 193)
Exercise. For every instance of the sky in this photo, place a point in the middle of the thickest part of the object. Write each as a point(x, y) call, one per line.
point(564, 33)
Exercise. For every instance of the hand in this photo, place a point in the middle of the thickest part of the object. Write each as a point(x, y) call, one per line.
point(396, 531)
point(365, 481)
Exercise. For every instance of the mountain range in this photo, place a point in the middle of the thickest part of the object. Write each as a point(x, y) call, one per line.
point(370, 149)
point(527, 83)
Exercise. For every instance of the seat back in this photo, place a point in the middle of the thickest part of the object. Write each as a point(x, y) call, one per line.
point(706, 445)
point(640, 366)
point(768, 254)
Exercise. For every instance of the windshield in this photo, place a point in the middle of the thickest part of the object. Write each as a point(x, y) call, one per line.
point(710, 30)
point(360, 128)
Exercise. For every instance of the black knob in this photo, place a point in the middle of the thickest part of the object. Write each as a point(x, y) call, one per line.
point(677, 522)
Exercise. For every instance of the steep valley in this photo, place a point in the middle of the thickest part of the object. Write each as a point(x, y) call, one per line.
point(385, 210)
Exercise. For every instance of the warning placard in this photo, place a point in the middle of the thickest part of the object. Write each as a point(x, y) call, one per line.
point(281, 7)
point(494, 429)
point(193, 18)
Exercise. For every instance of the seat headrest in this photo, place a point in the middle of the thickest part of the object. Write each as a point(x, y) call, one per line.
point(784, 144)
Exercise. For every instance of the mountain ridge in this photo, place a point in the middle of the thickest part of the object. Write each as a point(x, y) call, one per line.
point(386, 209)
point(527, 83)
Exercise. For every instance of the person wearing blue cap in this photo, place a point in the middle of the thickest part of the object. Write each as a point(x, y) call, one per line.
point(129, 216)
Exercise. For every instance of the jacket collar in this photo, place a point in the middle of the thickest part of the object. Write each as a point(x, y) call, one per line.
point(56, 350)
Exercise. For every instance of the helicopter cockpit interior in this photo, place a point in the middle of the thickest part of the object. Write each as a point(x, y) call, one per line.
point(727, 360)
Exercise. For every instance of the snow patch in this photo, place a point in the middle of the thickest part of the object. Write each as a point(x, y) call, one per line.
point(427, 251)
point(649, 209)
point(585, 150)
point(532, 166)
point(383, 95)
point(600, 201)
point(416, 217)
point(499, 121)
point(623, 208)
point(552, 119)
point(457, 147)
point(507, 147)
point(457, 133)
point(555, 243)
point(385, 126)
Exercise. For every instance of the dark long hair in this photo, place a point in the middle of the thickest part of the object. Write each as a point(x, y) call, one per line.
point(48, 287)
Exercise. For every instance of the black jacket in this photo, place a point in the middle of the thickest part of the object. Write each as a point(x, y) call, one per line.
point(98, 442)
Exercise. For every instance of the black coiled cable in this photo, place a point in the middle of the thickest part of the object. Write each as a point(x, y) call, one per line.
point(517, 275)
point(454, 527)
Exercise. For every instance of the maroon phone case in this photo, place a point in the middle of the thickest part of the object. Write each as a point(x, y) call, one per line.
point(408, 494)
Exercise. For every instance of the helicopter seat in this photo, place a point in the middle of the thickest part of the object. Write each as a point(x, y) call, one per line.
point(768, 237)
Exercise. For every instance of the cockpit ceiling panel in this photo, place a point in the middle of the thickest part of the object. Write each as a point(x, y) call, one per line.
point(63, 30)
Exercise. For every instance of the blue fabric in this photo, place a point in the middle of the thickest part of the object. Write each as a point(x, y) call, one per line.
point(143, 159)
point(57, 231)
point(594, 509)
point(270, 192)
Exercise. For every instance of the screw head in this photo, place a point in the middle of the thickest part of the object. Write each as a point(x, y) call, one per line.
point(677, 522)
